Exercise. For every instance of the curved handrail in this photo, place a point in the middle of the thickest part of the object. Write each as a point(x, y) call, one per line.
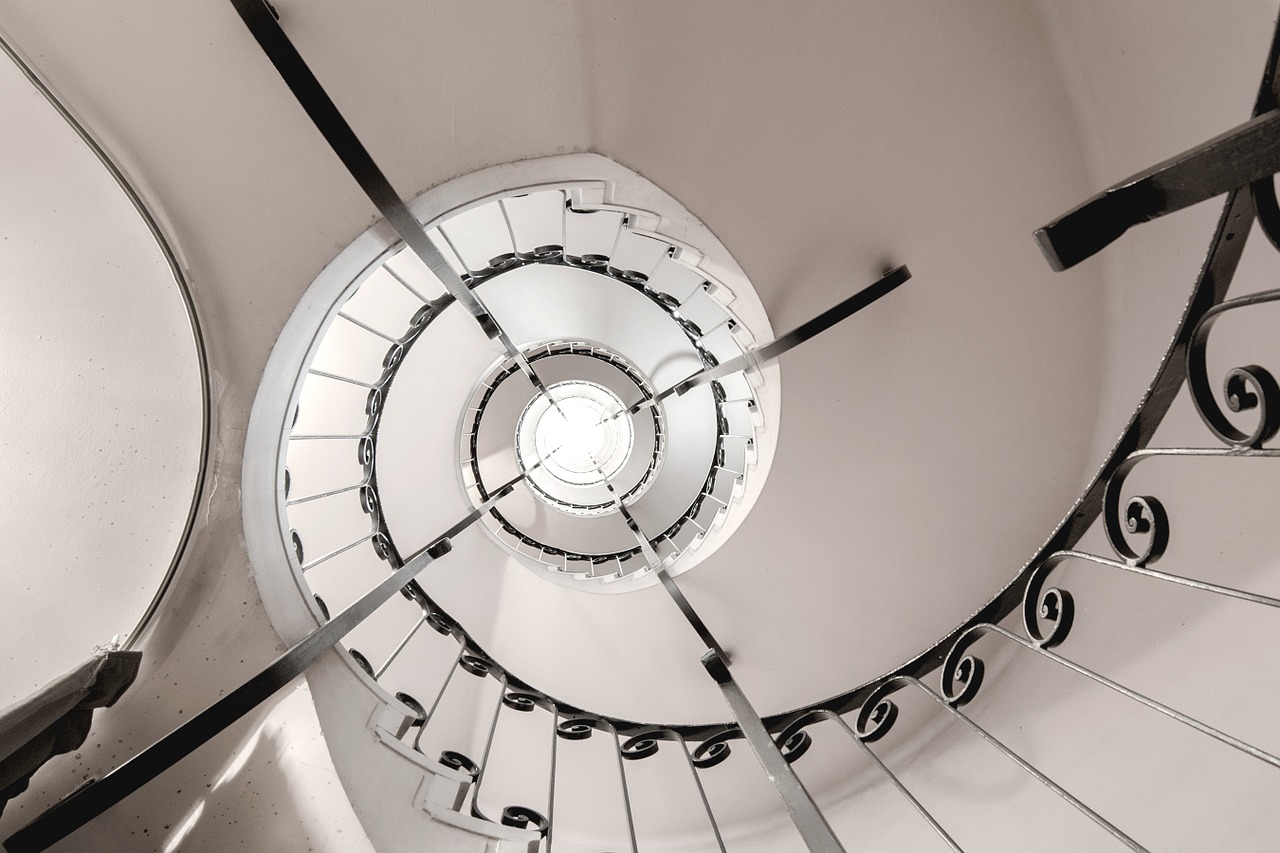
point(1048, 612)
point(170, 253)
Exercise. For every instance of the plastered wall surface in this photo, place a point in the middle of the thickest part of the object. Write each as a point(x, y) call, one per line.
point(100, 400)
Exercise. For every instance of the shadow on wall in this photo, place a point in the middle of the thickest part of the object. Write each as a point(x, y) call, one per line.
point(258, 800)
point(56, 718)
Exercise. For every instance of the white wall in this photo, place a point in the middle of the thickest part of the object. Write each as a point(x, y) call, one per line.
point(100, 399)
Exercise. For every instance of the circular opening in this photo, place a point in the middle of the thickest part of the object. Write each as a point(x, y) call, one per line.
point(606, 307)
point(577, 432)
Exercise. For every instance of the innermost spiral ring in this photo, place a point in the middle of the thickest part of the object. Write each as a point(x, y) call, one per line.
point(578, 439)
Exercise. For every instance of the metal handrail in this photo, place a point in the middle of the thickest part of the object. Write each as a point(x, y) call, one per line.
point(176, 268)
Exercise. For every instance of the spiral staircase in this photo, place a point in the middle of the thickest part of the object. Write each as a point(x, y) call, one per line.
point(824, 601)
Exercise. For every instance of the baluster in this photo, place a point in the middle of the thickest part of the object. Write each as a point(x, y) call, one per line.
point(344, 549)
point(950, 703)
point(551, 782)
point(645, 745)
point(462, 264)
point(511, 232)
point(405, 284)
point(580, 728)
point(512, 815)
point(626, 793)
point(370, 329)
point(916, 804)
point(347, 379)
point(417, 741)
point(398, 649)
point(488, 742)
point(328, 494)
point(1097, 678)
point(1038, 599)
point(564, 224)
point(702, 795)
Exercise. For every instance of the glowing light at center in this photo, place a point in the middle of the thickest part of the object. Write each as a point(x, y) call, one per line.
point(578, 440)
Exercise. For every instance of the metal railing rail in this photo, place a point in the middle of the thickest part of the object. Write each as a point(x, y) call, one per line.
point(173, 261)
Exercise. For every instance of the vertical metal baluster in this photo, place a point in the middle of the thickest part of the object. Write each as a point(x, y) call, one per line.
point(805, 814)
point(564, 223)
point(400, 648)
point(344, 549)
point(1025, 765)
point(436, 704)
point(488, 745)
point(370, 329)
point(347, 379)
point(405, 284)
point(1097, 678)
point(324, 495)
point(511, 232)
point(623, 222)
point(1189, 583)
point(902, 789)
point(706, 804)
point(626, 794)
point(551, 785)
point(465, 269)
point(328, 494)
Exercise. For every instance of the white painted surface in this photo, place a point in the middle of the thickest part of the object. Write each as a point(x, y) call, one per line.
point(100, 400)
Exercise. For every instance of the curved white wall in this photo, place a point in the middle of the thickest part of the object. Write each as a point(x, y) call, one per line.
point(100, 399)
